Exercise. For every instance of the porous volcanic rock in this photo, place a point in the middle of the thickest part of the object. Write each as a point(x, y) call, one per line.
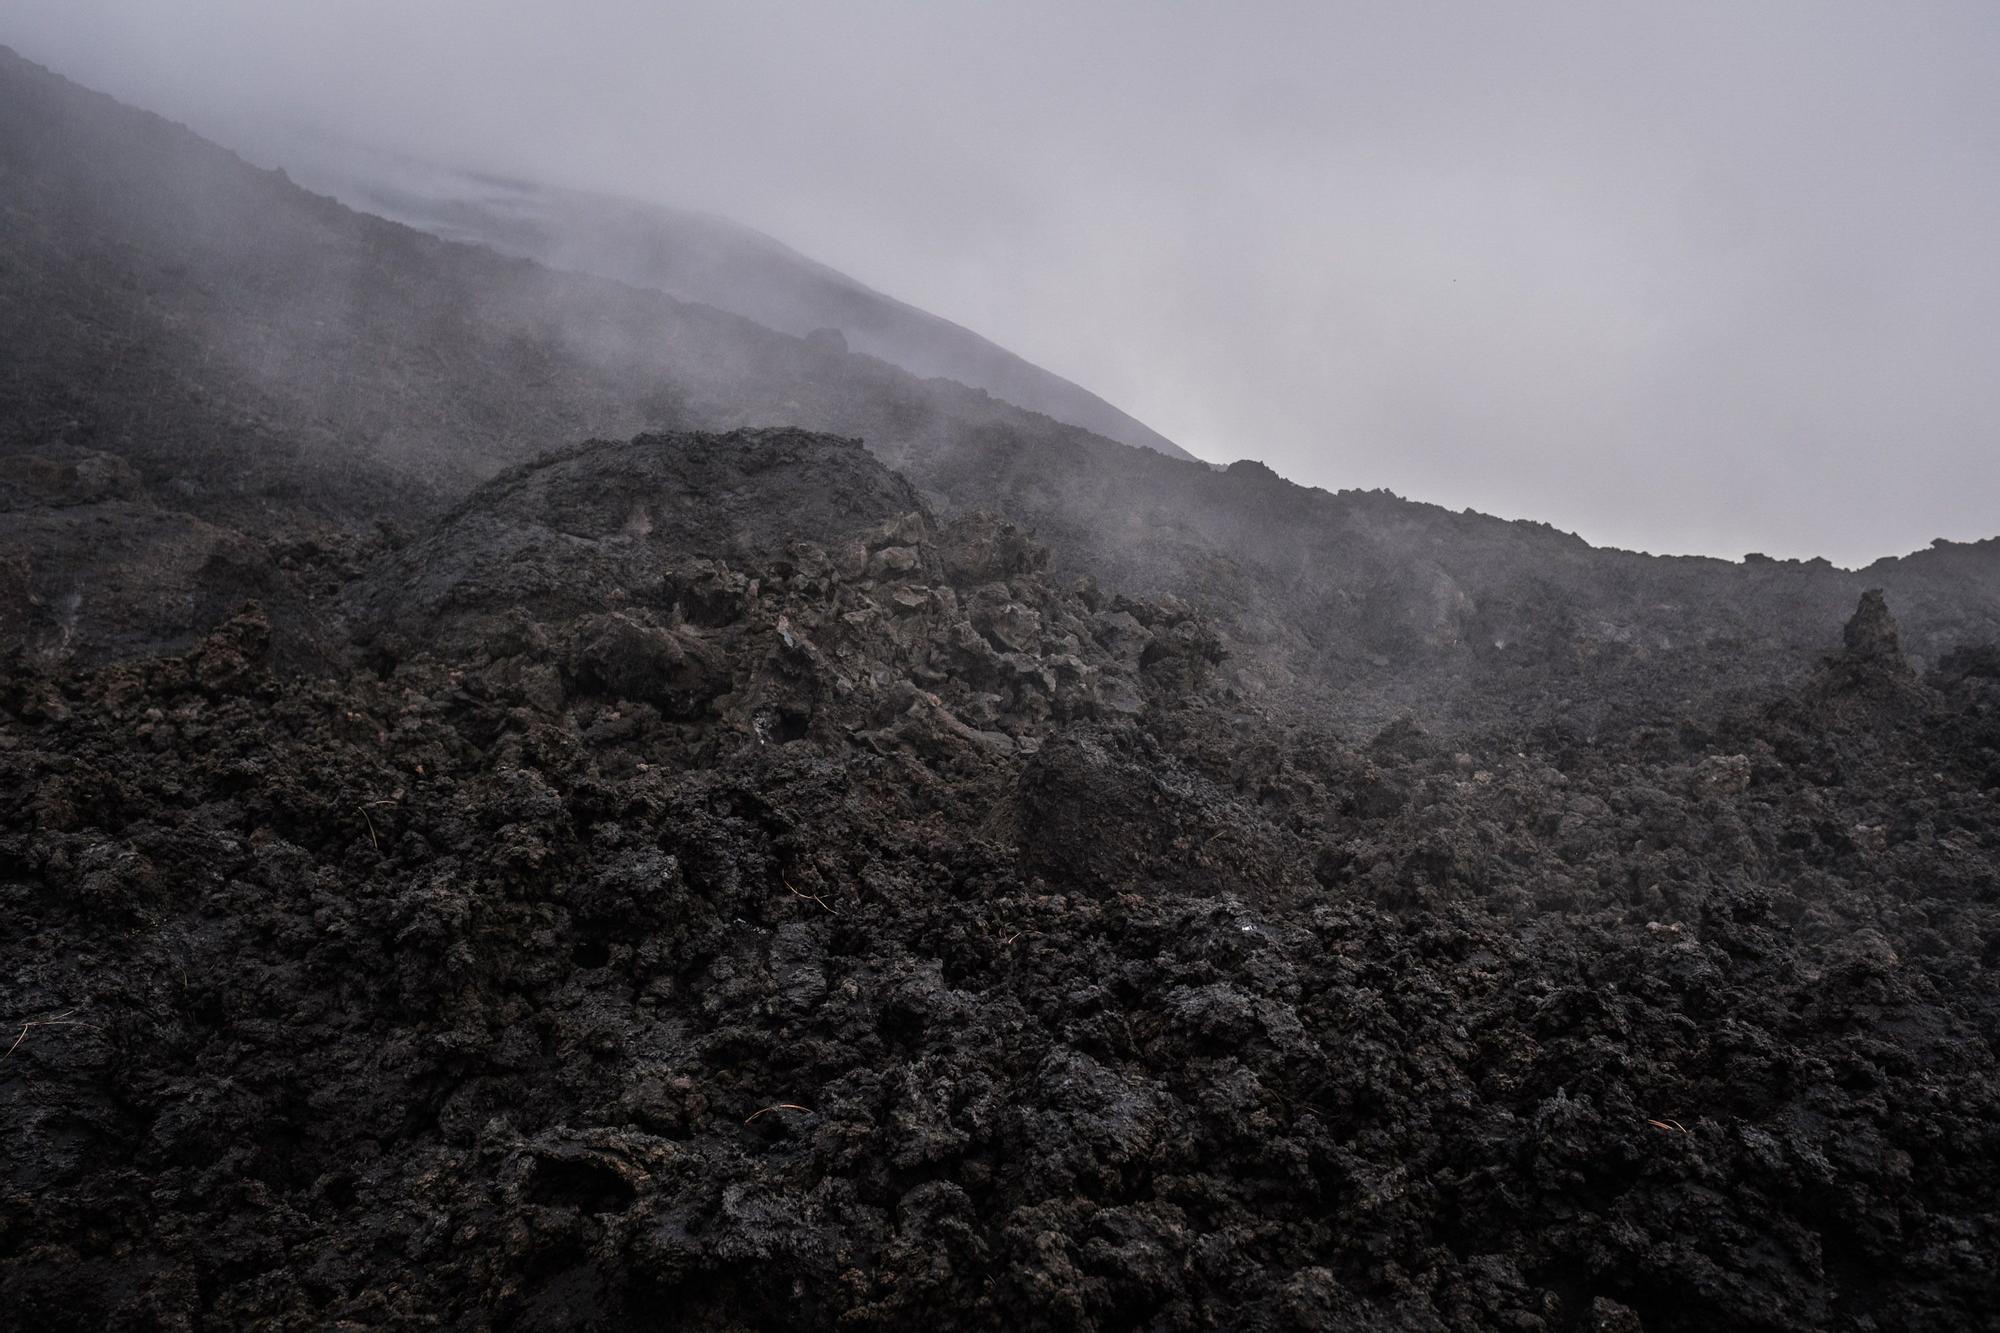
point(749, 931)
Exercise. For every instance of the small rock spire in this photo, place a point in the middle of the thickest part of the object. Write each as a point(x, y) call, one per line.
point(1870, 636)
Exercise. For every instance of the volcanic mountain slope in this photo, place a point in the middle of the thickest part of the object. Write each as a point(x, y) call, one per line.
point(729, 893)
point(215, 385)
point(245, 344)
point(696, 257)
point(210, 378)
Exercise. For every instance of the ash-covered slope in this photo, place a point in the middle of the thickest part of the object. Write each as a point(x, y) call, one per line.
point(246, 345)
point(696, 257)
point(731, 892)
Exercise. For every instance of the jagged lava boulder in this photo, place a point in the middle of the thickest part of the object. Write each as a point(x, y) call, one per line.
point(777, 582)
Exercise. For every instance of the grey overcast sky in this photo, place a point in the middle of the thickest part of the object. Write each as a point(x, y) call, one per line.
point(1684, 277)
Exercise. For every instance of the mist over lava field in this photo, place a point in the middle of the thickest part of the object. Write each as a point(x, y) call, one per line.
point(566, 764)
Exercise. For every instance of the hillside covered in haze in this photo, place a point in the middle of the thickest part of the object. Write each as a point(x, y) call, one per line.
point(696, 257)
point(530, 803)
point(251, 350)
point(250, 342)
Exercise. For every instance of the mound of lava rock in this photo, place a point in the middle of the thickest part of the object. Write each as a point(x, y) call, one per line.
point(719, 893)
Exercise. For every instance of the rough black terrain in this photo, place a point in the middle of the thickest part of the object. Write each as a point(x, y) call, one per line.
point(724, 895)
point(1375, 606)
point(458, 877)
